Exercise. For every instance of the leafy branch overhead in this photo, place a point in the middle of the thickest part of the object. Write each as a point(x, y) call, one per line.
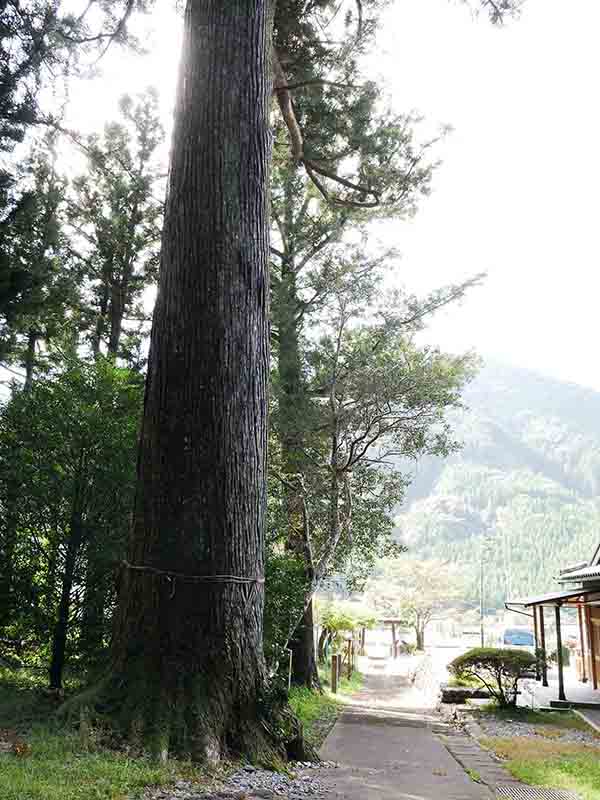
point(367, 158)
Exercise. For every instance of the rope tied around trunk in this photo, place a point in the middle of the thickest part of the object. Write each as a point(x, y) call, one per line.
point(172, 576)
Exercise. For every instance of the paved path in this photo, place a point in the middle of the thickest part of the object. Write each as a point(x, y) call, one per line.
point(389, 747)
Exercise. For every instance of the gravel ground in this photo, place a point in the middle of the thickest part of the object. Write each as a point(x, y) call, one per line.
point(504, 728)
point(250, 783)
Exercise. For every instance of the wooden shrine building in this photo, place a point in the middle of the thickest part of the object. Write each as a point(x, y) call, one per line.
point(580, 590)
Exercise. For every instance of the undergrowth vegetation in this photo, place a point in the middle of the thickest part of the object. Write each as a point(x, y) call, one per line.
point(319, 711)
point(40, 759)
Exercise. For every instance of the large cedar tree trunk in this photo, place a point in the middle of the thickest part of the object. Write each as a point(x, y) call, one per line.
point(188, 664)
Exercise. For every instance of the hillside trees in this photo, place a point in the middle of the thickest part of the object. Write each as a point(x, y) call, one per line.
point(521, 478)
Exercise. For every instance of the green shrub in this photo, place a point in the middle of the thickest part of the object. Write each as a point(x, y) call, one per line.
point(498, 669)
point(566, 653)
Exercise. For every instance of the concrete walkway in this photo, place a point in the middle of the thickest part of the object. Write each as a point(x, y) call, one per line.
point(389, 747)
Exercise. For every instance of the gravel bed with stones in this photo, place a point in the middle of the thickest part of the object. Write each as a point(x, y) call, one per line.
point(507, 728)
point(250, 783)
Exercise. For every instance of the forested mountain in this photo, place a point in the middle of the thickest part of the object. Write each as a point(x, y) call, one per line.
point(526, 480)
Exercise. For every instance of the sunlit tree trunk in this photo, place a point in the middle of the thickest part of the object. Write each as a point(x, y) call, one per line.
point(188, 651)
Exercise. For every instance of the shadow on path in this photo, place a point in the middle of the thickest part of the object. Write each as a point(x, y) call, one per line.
point(388, 747)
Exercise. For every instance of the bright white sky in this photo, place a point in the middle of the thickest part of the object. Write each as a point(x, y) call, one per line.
point(516, 195)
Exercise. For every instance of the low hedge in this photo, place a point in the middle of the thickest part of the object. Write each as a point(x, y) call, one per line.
point(498, 669)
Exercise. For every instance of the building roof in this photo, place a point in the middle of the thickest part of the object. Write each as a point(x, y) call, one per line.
point(586, 573)
point(563, 597)
point(574, 567)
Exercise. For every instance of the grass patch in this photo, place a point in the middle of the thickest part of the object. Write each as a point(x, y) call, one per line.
point(318, 712)
point(551, 763)
point(55, 763)
point(57, 767)
point(561, 720)
point(346, 686)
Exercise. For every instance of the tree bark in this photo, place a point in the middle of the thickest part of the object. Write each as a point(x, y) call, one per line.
point(29, 360)
point(420, 638)
point(302, 645)
point(291, 407)
point(188, 663)
point(61, 629)
point(116, 312)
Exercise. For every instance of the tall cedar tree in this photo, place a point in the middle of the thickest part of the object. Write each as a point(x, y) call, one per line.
point(188, 666)
point(351, 162)
point(33, 241)
point(348, 162)
point(41, 43)
point(115, 216)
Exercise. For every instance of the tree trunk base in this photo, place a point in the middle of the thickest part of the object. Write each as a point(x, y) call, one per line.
point(194, 723)
point(302, 645)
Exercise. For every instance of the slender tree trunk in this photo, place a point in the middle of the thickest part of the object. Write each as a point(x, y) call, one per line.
point(292, 419)
point(420, 631)
point(302, 645)
point(61, 629)
point(96, 595)
point(188, 665)
point(116, 312)
point(323, 639)
point(100, 325)
point(29, 360)
point(8, 544)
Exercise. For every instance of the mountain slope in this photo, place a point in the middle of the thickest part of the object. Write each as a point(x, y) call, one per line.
point(528, 478)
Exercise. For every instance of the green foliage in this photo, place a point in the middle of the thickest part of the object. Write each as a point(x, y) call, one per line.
point(116, 218)
point(67, 468)
point(38, 283)
point(499, 670)
point(414, 591)
point(316, 711)
point(340, 619)
point(285, 593)
point(566, 656)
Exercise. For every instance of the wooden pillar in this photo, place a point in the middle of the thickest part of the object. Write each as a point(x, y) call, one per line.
point(537, 643)
point(334, 673)
point(559, 655)
point(582, 642)
point(350, 665)
point(593, 670)
point(394, 648)
point(543, 647)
